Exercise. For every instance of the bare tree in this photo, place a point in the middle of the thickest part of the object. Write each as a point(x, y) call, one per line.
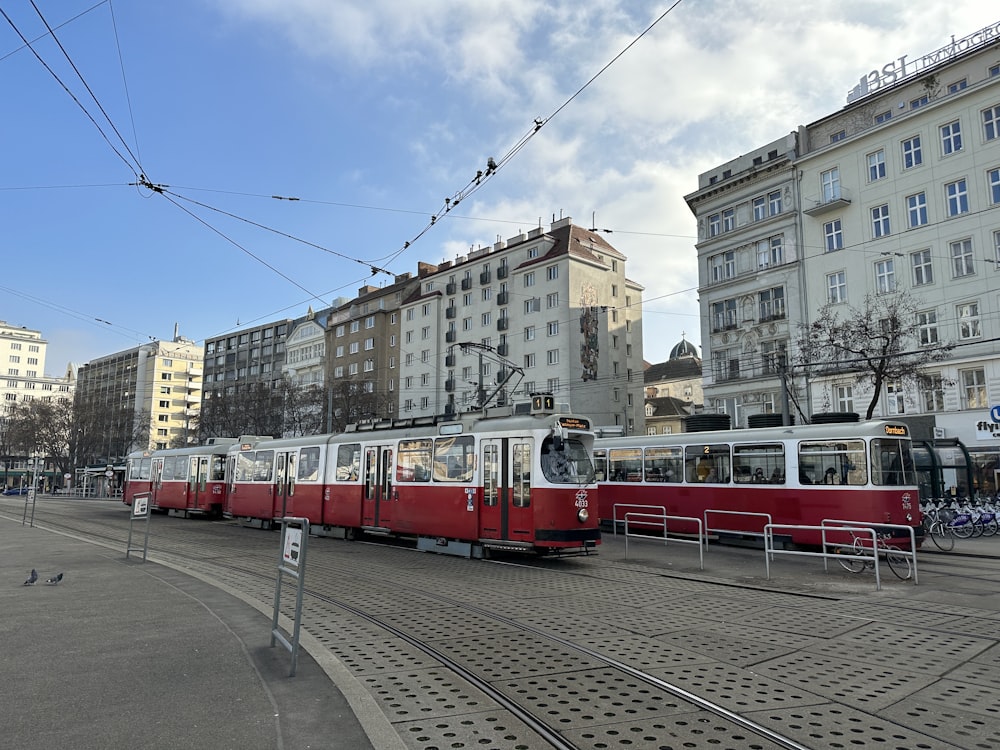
point(352, 401)
point(878, 344)
point(43, 427)
point(252, 409)
point(101, 433)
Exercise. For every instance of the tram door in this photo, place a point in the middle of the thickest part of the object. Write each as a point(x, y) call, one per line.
point(506, 505)
point(376, 504)
point(198, 483)
point(155, 480)
point(284, 484)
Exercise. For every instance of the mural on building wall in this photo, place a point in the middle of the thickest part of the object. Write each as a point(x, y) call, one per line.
point(589, 327)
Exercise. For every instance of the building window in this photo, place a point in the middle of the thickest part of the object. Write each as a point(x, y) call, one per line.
point(759, 208)
point(968, 320)
point(836, 285)
point(714, 225)
point(961, 258)
point(957, 197)
point(487, 293)
point(913, 155)
point(466, 324)
point(895, 402)
point(838, 136)
point(876, 165)
point(486, 318)
point(729, 220)
point(885, 276)
point(845, 397)
point(722, 266)
point(529, 278)
point(883, 117)
point(834, 234)
point(973, 388)
point(770, 252)
point(552, 300)
point(552, 273)
point(830, 184)
point(996, 246)
point(370, 321)
point(772, 303)
point(951, 138)
point(723, 315)
point(532, 252)
point(927, 329)
point(352, 348)
point(993, 178)
point(991, 123)
point(957, 86)
point(919, 101)
point(532, 305)
point(529, 360)
point(553, 328)
point(931, 388)
point(920, 261)
point(880, 221)
point(916, 210)
point(552, 356)
point(529, 333)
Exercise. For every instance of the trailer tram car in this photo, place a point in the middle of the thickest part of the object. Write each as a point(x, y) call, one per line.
point(800, 475)
point(186, 480)
point(462, 486)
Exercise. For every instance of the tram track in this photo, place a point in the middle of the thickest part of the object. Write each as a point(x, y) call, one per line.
point(200, 545)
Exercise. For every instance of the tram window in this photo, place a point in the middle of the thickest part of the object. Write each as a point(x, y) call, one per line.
point(491, 475)
point(168, 468)
point(413, 462)
point(244, 466)
point(892, 463)
point(625, 464)
point(664, 464)
point(707, 463)
point(759, 463)
point(454, 459)
point(521, 470)
point(181, 467)
point(263, 466)
point(348, 462)
point(845, 457)
point(601, 465)
point(309, 464)
point(217, 468)
point(566, 464)
point(143, 469)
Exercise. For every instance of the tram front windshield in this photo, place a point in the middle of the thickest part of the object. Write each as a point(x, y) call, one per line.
point(569, 465)
point(892, 463)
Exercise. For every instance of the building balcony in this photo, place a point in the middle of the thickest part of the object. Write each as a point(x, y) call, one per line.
point(820, 204)
point(451, 312)
point(485, 277)
point(451, 336)
point(450, 288)
point(449, 360)
point(503, 324)
point(503, 349)
point(449, 385)
point(503, 298)
point(467, 283)
point(502, 272)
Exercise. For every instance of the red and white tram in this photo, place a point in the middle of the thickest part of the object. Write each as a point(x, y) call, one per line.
point(800, 475)
point(191, 480)
point(462, 485)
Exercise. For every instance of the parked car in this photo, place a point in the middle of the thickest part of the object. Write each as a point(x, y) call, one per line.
point(16, 491)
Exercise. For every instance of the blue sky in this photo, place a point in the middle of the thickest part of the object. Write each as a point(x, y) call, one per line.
point(372, 113)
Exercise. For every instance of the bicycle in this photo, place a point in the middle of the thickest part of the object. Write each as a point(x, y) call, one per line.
point(858, 556)
point(935, 522)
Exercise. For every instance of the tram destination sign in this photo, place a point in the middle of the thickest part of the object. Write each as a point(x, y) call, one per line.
point(903, 67)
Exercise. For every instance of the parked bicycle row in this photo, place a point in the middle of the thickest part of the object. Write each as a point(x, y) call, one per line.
point(945, 520)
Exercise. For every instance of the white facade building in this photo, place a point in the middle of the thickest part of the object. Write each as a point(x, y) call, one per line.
point(897, 193)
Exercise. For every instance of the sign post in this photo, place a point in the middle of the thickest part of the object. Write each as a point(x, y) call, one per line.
point(140, 509)
point(294, 539)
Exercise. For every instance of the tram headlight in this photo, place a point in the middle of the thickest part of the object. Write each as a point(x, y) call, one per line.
point(582, 515)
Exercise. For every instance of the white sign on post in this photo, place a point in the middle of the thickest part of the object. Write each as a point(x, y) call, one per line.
point(140, 506)
point(293, 543)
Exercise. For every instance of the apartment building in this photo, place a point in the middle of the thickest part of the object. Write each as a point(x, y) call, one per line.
point(545, 311)
point(146, 397)
point(896, 193)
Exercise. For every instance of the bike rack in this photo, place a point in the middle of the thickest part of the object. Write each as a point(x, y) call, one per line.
point(700, 541)
point(770, 550)
point(616, 506)
point(912, 553)
point(766, 516)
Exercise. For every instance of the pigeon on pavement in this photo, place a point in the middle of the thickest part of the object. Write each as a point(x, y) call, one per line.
point(32, 578)
point(54, 579)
